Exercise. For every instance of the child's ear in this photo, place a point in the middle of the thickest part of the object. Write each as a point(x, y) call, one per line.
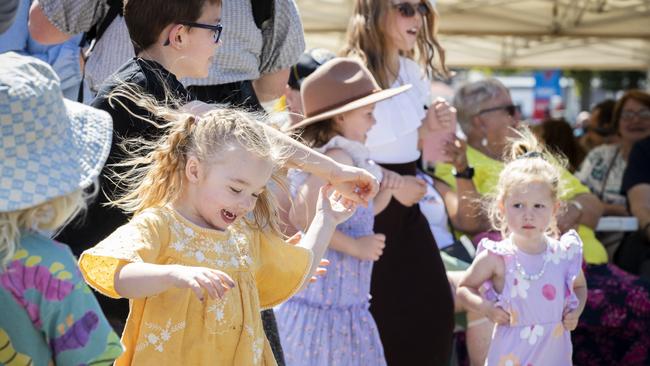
point(193, 169)
point(338, 120)
point(176, 34)
point(502, 208)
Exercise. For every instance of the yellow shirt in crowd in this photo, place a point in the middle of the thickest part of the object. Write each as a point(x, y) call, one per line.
point(486, 176)
point(175, 327)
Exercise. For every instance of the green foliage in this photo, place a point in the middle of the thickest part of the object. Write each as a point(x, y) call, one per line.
point(621, 80)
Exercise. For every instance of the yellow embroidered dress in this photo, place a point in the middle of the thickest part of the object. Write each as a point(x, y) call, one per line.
point(174, 327)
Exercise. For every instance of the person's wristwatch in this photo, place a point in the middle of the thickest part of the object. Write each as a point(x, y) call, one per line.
point(467, 173)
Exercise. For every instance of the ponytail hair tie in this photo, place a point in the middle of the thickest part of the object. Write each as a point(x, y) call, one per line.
point(531, 154)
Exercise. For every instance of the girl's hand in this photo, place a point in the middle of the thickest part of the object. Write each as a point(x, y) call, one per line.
point(496, 314)
point(216, 283)
point(391, 180)
point(412, 191)
point(570, 319)
point(321, 271)
point(332, 205)
point(354, 183)
point(370, 247)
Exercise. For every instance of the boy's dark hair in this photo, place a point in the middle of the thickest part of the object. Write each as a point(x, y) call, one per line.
point(146, 19)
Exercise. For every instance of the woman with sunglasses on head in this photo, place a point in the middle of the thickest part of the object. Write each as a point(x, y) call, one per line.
point(411, 300)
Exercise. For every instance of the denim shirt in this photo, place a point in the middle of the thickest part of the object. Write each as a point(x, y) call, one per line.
point(64, 57)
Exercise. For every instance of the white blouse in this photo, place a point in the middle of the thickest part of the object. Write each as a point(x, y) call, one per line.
point(394, 138)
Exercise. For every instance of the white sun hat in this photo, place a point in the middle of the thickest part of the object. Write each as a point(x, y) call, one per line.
point(49, 146)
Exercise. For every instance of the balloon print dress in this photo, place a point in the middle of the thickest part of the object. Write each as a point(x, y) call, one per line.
point(537, 289)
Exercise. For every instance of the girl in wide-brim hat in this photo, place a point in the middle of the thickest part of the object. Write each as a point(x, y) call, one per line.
point(51, 150)
point(329, 323)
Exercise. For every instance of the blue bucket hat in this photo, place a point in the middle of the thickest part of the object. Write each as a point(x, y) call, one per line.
point(49, 146)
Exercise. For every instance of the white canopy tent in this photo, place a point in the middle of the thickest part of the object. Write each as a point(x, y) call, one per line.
point(575, 34)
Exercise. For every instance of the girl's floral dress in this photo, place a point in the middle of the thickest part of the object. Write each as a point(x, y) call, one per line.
point(537, 290)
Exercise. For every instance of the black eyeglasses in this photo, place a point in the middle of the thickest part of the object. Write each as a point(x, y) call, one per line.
point(511, 109)
point(216, 29)
point(408, 10)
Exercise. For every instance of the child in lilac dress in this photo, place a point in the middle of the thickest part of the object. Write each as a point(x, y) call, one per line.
point(530, 284)
point(329, 323)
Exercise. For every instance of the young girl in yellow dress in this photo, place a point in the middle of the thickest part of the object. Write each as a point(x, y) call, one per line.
point(203, 255)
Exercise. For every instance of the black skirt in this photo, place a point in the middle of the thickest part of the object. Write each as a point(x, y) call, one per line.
point(411, 297)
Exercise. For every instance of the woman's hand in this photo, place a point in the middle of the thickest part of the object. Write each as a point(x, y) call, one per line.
point(199, 279)
point(456, 153)
point(412, 191)
point(569, 219)
point(369, 247)
point(440, 115)
point(354, 183)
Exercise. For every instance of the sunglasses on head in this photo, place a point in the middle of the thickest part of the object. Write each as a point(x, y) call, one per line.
point(511, 109)
point(408, 10)
point(216, 29)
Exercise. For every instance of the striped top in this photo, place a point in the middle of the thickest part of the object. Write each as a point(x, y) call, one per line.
point(246, 51)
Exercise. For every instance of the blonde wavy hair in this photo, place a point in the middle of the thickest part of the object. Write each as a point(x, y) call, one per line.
point(49, 216)
point(527, 161)
point(153, 174)
point(366, 39)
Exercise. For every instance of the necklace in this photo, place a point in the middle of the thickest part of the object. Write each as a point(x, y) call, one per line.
point(534, 276)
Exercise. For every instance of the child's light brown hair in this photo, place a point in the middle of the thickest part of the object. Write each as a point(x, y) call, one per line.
point(366, 39)
point(526, 161)
point(154, 174)
point(317, 134)
point(146, 19)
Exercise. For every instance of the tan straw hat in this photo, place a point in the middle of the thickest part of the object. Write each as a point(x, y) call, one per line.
point(338, 86)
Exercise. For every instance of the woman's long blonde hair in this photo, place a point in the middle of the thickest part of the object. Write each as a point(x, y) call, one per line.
point(49, 216)
point(527, 160)
point(153, 175)
point(367, 40)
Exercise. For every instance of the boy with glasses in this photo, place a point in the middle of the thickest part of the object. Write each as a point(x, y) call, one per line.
point(174, 39)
